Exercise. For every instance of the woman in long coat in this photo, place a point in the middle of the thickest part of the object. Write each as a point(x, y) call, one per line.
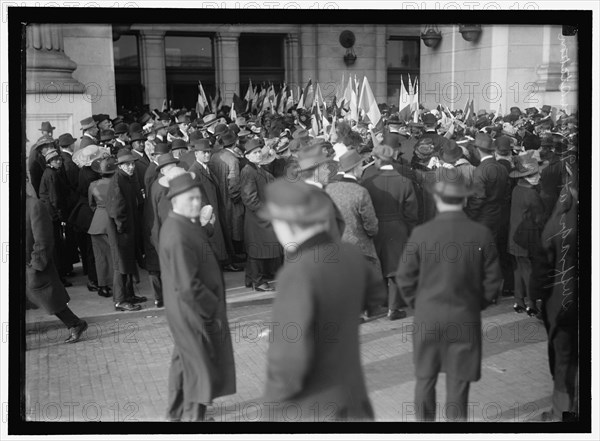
point(43, 285)
point(100, 225)
point(202, 364)
point(262, 248)
point(124, 198)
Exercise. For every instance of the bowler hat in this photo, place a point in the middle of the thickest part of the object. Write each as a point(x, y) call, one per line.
point(451, 152)
point(202, 145)
point(87, 123)
point(105, 166)
point(181, 184)
point(47, 127)
point(525, 166)
point(483, 141)
point(229, 138)
point(51, 155)
point(137, 136)
point(121, 128)
point(135, 127)
point(65, 140)
point(165, 160)
point(384, 152)
point(449, 184)
point(161, 148)
point(294, 202)
point(124, 156)
point(503, 146)
point(118, 120)
point(349, 160)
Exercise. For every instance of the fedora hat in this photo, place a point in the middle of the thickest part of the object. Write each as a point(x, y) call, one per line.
point(253, 144)
point(209, 119)
point(525, 165)
point(65, 140)
point(107, 135)
point(100, 117)
point(448, 183)
point(349, 160)
point(105, 166)
point(383, 152)
point(202, 145)
point(165, 160)
point(179, 144)
point(451, 152)
point(229, 138)
point(121, 128)
point(221, 129)
point(311, 155)
point(87, 123)
point(294, 202)
point(172, 173)
point(181, 183)
point(483, 141)
point(124, 156)
point(47, 127)
point(503, 145)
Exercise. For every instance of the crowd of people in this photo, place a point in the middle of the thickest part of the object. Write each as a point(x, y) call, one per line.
point(186, 196)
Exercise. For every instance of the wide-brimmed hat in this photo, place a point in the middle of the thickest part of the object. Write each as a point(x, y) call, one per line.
point(448, 183)
point(180, 184)
point(349, 160)
point(65, 140)
point(47, 127)
point(125, 156)
point(525, 165)
point(105, 166)
point(165, 159)
point(51, 155)
point(209, 120)
point(85, 156)
point(178, 144)
point(268, 155)
point(451, 152)
point(87, 123)
point(294, 202)
point(503, 145)
point(383, 152)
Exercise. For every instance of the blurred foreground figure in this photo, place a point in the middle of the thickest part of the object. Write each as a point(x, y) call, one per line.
point(202, 365)
point(448, 273)
point(313, 361)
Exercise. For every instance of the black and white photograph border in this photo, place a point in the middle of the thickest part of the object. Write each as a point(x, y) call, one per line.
point(102, 346)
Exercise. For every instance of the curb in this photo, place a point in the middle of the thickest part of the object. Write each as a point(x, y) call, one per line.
point(41, 326)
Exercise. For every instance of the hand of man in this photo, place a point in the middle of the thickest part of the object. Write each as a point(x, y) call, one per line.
point(207, 215)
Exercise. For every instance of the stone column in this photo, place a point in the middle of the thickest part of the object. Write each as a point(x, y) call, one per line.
point(227, 65)
point(292, 58)
point(153, 70)
point(49, 70)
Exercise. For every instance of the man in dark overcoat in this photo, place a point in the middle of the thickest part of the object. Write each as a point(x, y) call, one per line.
point(210, 186)
point(448, 272)
point(396, 208)
point(321, 291)
point(225, 165)
point(202, 364)
point(43, 285)
point(491, 186)
point(262, 248)
point(122, 205)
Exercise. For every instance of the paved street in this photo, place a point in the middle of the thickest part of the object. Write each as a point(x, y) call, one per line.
point(119, 372)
